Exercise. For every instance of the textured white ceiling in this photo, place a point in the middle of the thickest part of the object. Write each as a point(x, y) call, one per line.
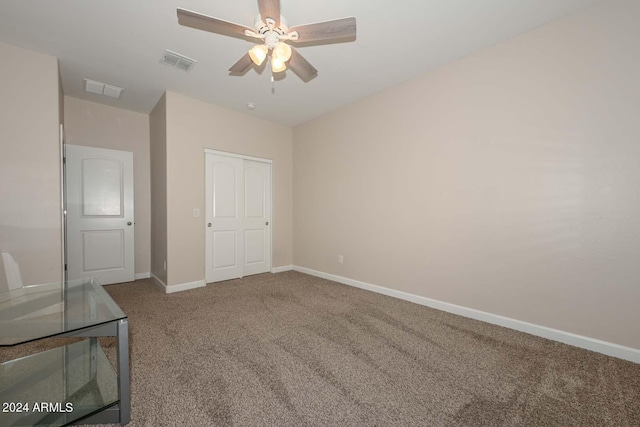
point(120, 42)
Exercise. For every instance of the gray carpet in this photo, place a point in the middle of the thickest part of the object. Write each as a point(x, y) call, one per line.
point(294, 350)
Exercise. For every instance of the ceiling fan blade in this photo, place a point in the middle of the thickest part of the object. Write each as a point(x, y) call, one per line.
point(270, 9)
point(242, 65)
point(301, 66)
point(344, 28)
point(211, 24)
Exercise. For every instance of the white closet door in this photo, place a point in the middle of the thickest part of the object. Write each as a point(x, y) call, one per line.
point(257, 216)
point(225, 207)
point(238, 205)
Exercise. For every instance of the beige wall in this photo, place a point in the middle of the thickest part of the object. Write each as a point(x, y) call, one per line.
point(158, 154)
point(506, 182)
point(96, 125)
point(193, 126)
point(30, 221)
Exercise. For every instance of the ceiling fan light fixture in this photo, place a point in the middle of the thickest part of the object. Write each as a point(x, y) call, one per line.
point(273, 33)
point(282, 51)
point(277, 64)
point(258, 54)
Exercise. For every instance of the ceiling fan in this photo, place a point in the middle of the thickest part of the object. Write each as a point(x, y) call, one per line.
point(271, 29)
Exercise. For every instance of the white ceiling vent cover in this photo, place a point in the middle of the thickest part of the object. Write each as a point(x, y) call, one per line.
point(100, 88)
point(178, 61)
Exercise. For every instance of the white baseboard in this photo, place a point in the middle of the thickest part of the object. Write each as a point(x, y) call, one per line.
point(282, 269)
point(139, 276)
point(599, 346)
point(159, 282)
point(169, 289)
point(185, 286)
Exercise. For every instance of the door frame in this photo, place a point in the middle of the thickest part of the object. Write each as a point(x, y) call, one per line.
point(243, 157)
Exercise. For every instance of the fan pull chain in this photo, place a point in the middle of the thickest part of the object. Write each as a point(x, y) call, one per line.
point(273, 84)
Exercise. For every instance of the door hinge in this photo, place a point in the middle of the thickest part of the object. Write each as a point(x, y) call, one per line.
point(65, 267)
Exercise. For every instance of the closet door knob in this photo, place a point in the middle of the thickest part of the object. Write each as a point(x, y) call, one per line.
point(209, 225)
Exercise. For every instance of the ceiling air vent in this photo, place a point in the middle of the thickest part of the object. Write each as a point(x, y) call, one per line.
point(100, 88)
point(178, 61)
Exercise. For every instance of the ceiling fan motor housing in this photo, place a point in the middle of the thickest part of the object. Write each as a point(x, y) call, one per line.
point(271, 34)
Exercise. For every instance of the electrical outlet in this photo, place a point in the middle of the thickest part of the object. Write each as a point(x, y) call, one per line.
point(196, 213)
point(340, 259)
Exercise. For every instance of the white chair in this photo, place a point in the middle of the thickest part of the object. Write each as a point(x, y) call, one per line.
point(11, 271)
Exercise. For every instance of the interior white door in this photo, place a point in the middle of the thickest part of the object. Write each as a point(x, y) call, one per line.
point(238, 215)
point(257, 214)
point(224, 206)
point(100, 215)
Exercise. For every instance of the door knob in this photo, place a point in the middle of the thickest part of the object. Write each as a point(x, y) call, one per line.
point(128, 222)
point(209, 225)
point(266, 223)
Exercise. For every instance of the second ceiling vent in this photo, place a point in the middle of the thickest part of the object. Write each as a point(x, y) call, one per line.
point(178, 61)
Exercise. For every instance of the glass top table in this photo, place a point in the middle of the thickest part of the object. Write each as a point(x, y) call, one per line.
point(41, 311)
point(75, 382)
